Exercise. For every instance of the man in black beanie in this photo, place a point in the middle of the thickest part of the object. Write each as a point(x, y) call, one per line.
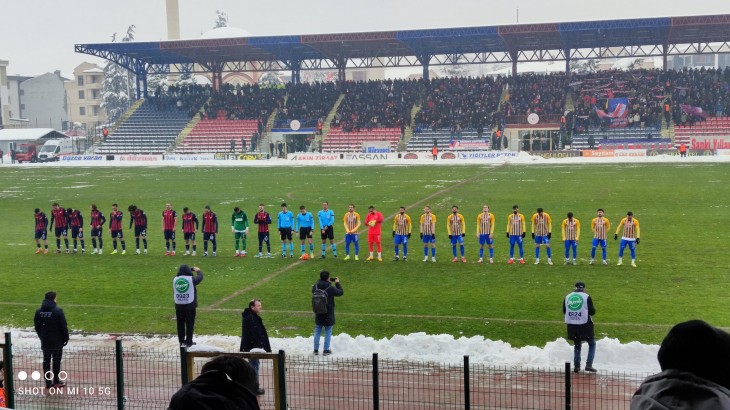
point(50, 325)
point(695, 362)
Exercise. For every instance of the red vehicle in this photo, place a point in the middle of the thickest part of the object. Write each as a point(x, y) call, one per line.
point(26, 152)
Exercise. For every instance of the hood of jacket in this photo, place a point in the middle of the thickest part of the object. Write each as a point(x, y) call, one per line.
point(47, 305)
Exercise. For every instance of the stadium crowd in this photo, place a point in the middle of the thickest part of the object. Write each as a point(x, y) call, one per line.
point(376, 104)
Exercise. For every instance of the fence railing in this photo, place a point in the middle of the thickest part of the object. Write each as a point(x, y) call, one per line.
point(120, 377)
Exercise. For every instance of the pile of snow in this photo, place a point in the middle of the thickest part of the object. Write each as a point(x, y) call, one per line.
point(611, 355)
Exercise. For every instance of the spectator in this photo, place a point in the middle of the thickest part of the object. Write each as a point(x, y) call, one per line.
point(225, 382)
point(326, 320)
point(254, 336)
point(694, 358)
point(233, 145)
point(51, 328)
point(185, 292)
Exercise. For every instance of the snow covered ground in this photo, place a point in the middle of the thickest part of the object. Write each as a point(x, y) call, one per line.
point(611, 355)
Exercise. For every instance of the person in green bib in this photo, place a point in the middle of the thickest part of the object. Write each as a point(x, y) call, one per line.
point(185, 294)
point(579, 310)
point(239, 227)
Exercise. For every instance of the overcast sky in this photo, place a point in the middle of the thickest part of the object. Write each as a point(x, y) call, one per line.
point(38, 36)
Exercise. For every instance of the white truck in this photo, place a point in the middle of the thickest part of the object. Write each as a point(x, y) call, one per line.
point(54, 149)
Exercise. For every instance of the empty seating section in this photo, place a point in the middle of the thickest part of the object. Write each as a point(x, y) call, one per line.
point(151, 129)
point(469, 139)
point(713, 127)
point(340, 141)
point(622, 138)
point(216, 135)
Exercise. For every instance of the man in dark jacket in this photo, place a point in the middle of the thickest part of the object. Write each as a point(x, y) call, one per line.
point(254, 335)
point(579, 310)
point(51, 327)
point(326, 320)
point(694, 358)
point(224, 383)
point(185, 292)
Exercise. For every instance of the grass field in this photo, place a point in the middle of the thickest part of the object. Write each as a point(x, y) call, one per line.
point(682, 272)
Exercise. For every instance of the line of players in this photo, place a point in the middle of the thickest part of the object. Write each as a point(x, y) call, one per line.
point(303, 225)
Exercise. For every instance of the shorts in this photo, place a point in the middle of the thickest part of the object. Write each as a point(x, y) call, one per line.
point(285, 233)
point(429, 239)
point(96, 232)
point(305, 233)
point(542, 240)
point(515, 239)
point(457, 239)
point(42, 234)
point(239, 235)
point(117, 234)
point(189, 236)
point(207, 236)
point(597, 242)
point(76, 232)
point(140, 231)
point(169, 235)
point(373, 238)
point(400, 240)
point(329, 233)
point(264, 237)
point(61, 232)
point(484, 239)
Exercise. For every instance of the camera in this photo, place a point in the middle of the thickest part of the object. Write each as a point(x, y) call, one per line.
point(333, 279)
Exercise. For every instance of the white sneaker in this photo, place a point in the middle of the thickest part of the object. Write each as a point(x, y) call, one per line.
point(205, 253)
point(425, 258)
point(100, 251)
point(433, 259)
point(214, 254)
point(567, 261)
point(591, 262)
point(537, 261)
point(145, 252)
point(633, 263)
point(137, 251)
point(268, 254)
point(193, 254)
point(186, 253)
point(258, 255)
point(481, 260)
point(95, 251)
point(550, 261)
point(491, 260)
point(620, 262)
point(574, 262)
point(605, 262)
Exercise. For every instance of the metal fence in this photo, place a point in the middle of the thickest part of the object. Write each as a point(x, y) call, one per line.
point(130, 378)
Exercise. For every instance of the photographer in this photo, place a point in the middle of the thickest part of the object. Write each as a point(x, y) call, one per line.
point(51, 327)
point(325, 320)
point(184, 288)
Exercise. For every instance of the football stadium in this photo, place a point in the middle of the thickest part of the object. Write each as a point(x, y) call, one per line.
point(496, 200)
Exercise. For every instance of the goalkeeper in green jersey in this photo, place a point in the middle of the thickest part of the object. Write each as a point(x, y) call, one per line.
point(239, 227)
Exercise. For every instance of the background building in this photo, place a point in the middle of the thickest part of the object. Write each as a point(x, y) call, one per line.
point(85, 96)
point(4, 104)
point(43, 101)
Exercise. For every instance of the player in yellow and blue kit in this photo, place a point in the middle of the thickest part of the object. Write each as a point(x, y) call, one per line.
point(485, 233)
point(401, 232)
point(600, 226)
point(456, 229)
point(542, 227)
point(629, 237)
point(571, 234)
point(515, 233)
point(352, 223)
point(428, 233)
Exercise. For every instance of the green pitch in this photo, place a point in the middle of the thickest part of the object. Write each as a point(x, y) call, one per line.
point(682, 259)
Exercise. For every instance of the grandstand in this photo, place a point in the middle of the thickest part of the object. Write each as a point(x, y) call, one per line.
point(216, 135)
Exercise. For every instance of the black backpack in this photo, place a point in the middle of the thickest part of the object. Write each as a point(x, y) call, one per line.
point(319, 300)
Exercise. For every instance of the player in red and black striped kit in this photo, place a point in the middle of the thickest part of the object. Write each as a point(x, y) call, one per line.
point(41, 230)
point(190, 225)
point(169, 223)
point(115, 228)
point(77, 227)
point(139, 218)
point(210, 229)
point(60, 219)
point(263, 220)
point(97, 227)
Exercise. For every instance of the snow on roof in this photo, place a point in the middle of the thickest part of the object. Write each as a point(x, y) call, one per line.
point(18, 134)
point(94, 70)
point(225, 32)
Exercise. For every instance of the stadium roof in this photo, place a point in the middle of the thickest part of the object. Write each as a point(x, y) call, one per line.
point(645, 37)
